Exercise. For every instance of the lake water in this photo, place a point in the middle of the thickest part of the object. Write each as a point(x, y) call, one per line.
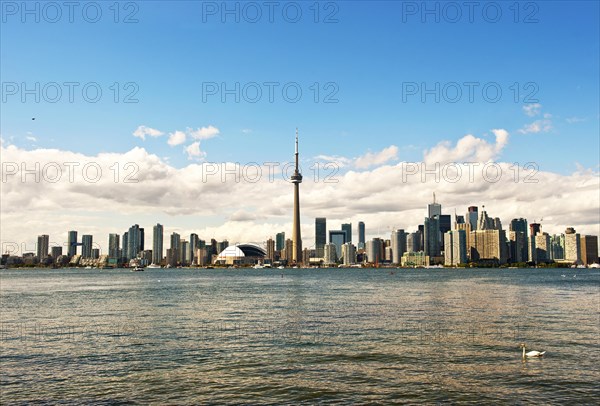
point(184, 336)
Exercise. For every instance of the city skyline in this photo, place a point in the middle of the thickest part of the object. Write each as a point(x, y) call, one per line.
point(399, 237)
point(381, 119)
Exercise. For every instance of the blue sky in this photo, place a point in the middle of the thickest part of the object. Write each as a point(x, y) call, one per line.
point(373, 60)
point(369, 53)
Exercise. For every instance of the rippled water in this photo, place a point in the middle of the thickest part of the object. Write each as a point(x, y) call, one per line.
point(304, 336)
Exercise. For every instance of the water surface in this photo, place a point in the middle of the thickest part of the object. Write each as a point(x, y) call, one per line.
point(299, 336)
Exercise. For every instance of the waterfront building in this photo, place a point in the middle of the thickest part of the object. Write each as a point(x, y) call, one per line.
point(472, 217)
point(330, 255)
point(361, 235)
point(518, 251)
point(320, 235)
point(271, 249)
point(455, 247)
point(542, 247)
point(280, 241)
point(43, 244)
point(174, 254)
point(398, 246)
point(572, 246)
point(412, 259)
point(589, 249)
point(347, 227)
point(431, 236)
point(374, 250)
point(348, 254)
point(113, 245)
point(488, 245)
point(157, 243)
point(241, 254)
point(56, 252)
point(72, 244)
point(86, 246)
point(338, 237)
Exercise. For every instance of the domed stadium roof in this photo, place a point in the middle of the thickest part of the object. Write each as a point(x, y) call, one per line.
point(242, 250)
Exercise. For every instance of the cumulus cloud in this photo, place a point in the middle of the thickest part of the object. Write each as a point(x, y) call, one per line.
point(193, 151)
point(176, 138)
point(146, 189)
point(31, 138)
point(203, 133)
point(378, 158)
point(468, 149)
point(532, 110)
point(143, 131)
point(538, 126)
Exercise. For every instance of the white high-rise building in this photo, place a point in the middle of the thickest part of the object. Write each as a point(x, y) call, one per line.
point(455, 247)
point(349, 253)
point(330, 254)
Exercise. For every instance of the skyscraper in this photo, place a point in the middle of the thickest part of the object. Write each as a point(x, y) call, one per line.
point(338, 237)
point(361, 235)
point(43, 243)
point(135, 241)
point(175, 240)
point(398, 245)
point(374, 248)
point(125, 245)
point(434, 209)
point(113, 245)
point(271, 249)
point(455, 247)
point(320, 236)
point(348, 253)
point(72, 243)
point(296, 236)
point(431, 239)
point(86, 246)
point(519, 224)
point(280, 241)
point(572, 246)
point(472, 217)
point(589, 249)
point(347, 227)
point(157, 243)
point(194, 244)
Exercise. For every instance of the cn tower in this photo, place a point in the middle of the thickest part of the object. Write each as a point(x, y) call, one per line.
point(296, 237)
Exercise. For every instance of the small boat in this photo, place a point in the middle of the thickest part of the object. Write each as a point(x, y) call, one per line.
point(154, 266)
point(137, 269)
point(281, 267)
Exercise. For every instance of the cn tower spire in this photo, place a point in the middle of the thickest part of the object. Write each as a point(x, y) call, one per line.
point(296, 236)
point(296, 149)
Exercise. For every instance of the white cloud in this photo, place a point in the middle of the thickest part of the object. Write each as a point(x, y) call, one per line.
point(203, 133)
point(370, 159)
point(246, 131)
point(31, 138)
point(193, 151)
point(143, 131)
point(468, 149)
point(574, 120)
point(532, 110)
point(538, 126)
point(176, 138)
point(190, 199)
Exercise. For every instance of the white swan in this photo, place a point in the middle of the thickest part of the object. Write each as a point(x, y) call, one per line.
point(531, 354)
